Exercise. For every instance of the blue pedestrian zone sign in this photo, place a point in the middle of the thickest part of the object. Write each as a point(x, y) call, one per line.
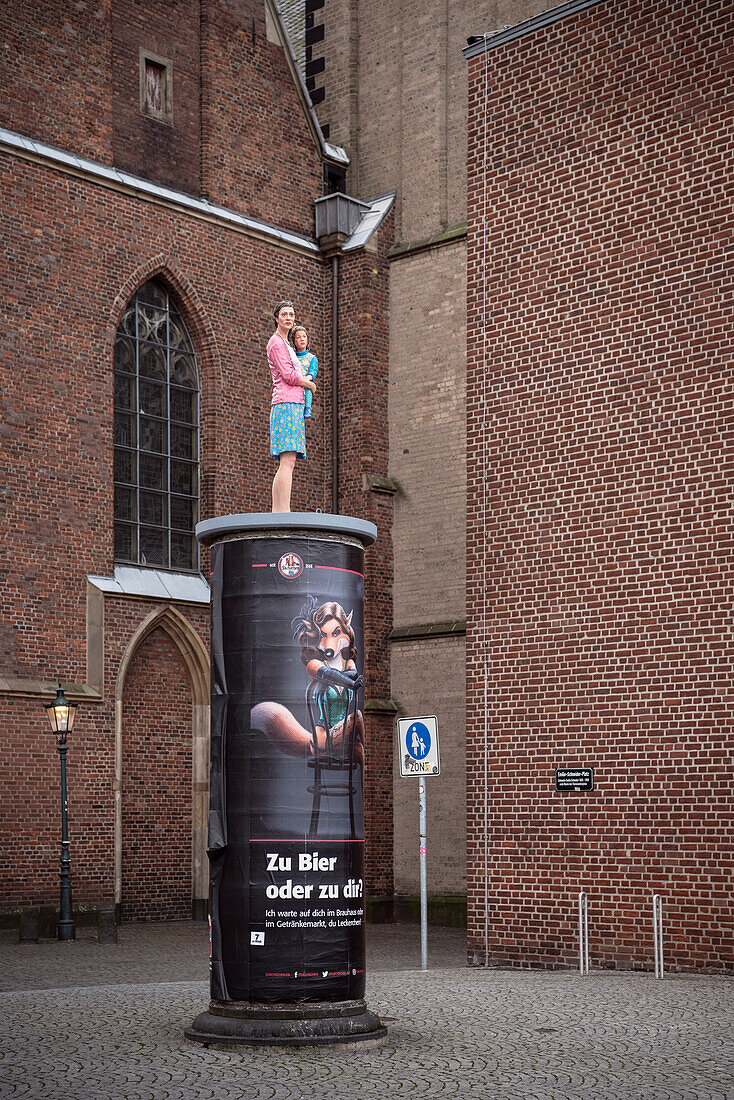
point(418, 746)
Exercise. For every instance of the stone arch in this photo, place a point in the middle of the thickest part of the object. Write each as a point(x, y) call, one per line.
point(196, 659)
point(208, 357)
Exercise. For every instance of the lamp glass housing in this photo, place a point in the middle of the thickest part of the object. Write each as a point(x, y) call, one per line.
point(61, 714)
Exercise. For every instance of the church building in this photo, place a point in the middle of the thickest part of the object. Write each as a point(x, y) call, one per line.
point(505, 225)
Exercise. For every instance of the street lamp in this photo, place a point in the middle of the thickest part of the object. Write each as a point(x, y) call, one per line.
point(61, 714)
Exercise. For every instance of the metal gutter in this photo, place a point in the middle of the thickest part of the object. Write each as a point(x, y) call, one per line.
point(335, 383)
point(136, 186)
point(483, 43)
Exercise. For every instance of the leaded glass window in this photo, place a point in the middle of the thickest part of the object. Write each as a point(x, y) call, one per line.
point(156, 435)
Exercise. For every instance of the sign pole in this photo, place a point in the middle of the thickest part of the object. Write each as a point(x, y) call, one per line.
point(424, 887)
point(418, 749)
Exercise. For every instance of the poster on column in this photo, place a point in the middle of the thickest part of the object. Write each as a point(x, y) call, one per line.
point(288, 762)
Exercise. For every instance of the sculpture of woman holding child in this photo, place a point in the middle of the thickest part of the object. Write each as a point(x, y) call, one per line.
point(287, 426)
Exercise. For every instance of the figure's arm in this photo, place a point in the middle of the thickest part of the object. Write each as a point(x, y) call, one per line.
point(325, 674)
point(332, 676)
point(313, 370)
point(312, 668)
point(283, 364)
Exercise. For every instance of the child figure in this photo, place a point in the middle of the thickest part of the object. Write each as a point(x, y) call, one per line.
point(309, 363)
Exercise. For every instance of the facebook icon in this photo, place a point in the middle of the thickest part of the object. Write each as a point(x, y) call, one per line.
point(418, 741)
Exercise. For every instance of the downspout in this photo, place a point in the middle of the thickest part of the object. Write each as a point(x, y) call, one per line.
point(335, 384)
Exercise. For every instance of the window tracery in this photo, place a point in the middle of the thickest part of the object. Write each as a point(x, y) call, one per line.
point(156, 434)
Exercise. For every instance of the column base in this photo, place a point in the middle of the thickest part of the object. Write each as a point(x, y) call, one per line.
point(233, 1023)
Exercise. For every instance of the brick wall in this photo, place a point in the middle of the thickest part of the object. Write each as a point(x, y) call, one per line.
point(238, 134)
point(72, 255)
point(428, 678)
point(428, 432)
point(30, 798)
point(395, 98)
point(55, 74)
point(57, 408)
point(599, 388)
point(167, 152)
point(257, 154)
point(156, 784)
point(338, 52)
point(30, 805)
point(428, 462)
point(363, 438)
point(89, 249)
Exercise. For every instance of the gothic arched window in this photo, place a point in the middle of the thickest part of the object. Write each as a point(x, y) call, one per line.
point(156, 435)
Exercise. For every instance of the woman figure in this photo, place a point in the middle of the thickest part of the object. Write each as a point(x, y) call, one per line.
point(287, 428)
point(329, 651)
point(309, 363)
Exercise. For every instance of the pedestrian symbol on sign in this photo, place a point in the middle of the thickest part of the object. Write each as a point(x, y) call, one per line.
point(418, 741)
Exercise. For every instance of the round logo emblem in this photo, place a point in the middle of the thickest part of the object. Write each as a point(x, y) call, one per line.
point(290, 566)
point(418, 741)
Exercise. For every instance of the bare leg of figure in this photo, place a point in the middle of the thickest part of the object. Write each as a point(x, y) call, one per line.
point(284, 730)
point(282, 482)
point(345, 728)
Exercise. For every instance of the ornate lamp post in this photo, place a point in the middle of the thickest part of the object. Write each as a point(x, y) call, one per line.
point(61, 714)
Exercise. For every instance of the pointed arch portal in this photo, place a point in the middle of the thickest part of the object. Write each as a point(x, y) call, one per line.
point(196, 659)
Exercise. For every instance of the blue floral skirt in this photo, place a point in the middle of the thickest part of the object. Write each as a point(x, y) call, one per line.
point(287, 429)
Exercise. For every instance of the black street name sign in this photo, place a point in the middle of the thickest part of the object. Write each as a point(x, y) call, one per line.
point(574, 779)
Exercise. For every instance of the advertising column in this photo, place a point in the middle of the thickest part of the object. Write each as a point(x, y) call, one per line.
point(286, 828)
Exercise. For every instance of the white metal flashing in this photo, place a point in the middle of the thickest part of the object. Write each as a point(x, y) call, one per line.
point(113, 178)
point(336, 153)
point(154, 584)
point(379, 208)
point(542, 19)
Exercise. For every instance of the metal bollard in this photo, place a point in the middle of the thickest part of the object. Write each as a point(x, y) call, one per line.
point(657, 932)
point(106, 924)
point(583, 935)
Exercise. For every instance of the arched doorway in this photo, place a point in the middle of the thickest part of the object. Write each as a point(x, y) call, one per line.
point(161, 784)
point(156, 795)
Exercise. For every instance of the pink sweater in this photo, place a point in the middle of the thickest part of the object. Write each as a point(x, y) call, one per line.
point(284, 369)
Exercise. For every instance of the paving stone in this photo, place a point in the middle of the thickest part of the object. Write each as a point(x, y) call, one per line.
point(95, 1022)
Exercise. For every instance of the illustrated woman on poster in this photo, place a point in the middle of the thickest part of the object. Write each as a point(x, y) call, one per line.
point(287, 427)
point(329, 651)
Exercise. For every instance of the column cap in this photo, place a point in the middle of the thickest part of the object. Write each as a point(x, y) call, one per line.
point(275, 523)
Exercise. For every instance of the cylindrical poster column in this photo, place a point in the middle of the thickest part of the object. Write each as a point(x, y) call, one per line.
point(286, 821)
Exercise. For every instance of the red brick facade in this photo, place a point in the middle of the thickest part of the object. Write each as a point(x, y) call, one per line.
point(257, 154)
point(74, 251)
point(599, 401)
point(156, 768)
point(168, 153)
point(56, 78)
point(363, 449)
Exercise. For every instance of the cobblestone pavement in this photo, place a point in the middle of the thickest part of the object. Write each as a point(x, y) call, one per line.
point(89, 1022)
point(178, 952)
